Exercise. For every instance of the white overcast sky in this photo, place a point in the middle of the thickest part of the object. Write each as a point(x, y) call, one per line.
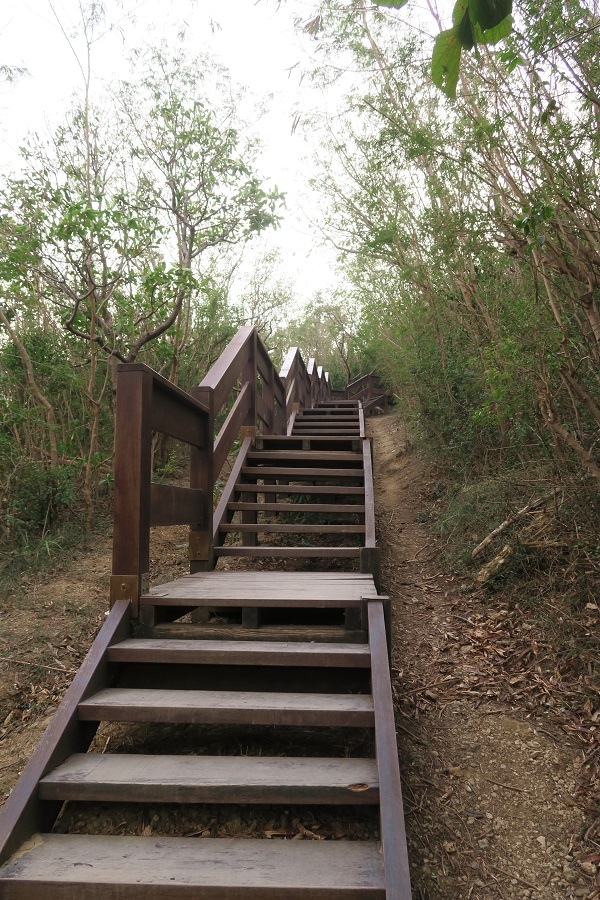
point(254, 40)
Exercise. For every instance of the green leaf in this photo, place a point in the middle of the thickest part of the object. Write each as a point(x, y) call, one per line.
point(460, 8)
point(445, 62)
point(396, 4)
point(464, 32)
point(497, 33)
point(489, 13)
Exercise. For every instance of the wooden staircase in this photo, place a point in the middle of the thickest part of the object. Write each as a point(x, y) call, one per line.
point(272, 649)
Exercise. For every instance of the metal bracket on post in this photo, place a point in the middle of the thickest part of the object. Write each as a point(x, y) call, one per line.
point(129, 587)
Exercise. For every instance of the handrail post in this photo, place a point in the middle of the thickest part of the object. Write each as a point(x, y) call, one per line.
point(132, 468)
point(202, 476)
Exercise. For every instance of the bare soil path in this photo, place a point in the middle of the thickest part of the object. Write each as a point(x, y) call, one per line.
point(491, 786)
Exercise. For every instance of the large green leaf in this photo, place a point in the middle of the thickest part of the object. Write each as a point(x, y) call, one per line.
point(445, 62)
point(495, 34)
point(489, 13)
point(464, 32)
point(460, 8)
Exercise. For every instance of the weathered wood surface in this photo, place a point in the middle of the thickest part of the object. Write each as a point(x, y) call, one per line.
point(84, 867)
point(342, 490)
point(343, 508)
point(289, 552)
point(303, 455)
point(292, 633)
point(233, 653)
point(264, 588)
point(302, 472)
point(277, 528)
point(227, 708)
point(136, 778)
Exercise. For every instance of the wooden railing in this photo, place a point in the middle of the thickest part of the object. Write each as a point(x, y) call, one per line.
point(243, 386)
point(147, 403)
point(306, 385)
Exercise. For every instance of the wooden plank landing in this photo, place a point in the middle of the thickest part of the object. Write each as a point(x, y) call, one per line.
point(316, 589)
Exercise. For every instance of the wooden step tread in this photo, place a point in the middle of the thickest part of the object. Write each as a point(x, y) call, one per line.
point(348, 508)
point(302, 472)
point(236, 653)
point(334, 455)
point(288, 552)
point(267, 439)
point(72, 867)
point(227, 707)
point(277, 528)
point(319, 431)
point(273, 633)
point(137, 778)
point(343, 490)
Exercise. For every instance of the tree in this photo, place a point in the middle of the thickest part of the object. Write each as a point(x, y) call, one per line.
point(111, 224)
point(470, 231)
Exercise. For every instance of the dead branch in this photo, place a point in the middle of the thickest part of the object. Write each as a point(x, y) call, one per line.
point(504, 525)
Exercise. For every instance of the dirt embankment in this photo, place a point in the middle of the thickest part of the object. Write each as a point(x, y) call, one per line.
point(491, 785)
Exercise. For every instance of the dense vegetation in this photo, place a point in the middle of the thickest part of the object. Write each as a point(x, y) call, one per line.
point(470, 231)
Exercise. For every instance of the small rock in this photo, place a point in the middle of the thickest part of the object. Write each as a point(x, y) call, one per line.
point(541, 841)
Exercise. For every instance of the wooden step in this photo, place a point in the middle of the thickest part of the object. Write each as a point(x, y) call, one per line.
point(302, 472)
point(266, 439)
point(136, 778)
point(310, 442)
point(344, 490)
point(307, 455)
point(240, 653)
point(94, 867)
point(329, 421)
point(265, 551)
point(334, 634)
point(321, 431)
point(227, 708)
point(277, 528)
point(344, 508)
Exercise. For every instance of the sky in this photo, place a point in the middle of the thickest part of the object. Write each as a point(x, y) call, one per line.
point(256, 41)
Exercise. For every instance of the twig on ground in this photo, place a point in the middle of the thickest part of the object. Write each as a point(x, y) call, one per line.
point(25, 662)
point(509, 787)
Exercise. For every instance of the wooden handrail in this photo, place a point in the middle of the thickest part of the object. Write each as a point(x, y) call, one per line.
point(147, 402)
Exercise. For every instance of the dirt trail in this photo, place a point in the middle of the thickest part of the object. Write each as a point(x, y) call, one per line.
point(489, 794)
